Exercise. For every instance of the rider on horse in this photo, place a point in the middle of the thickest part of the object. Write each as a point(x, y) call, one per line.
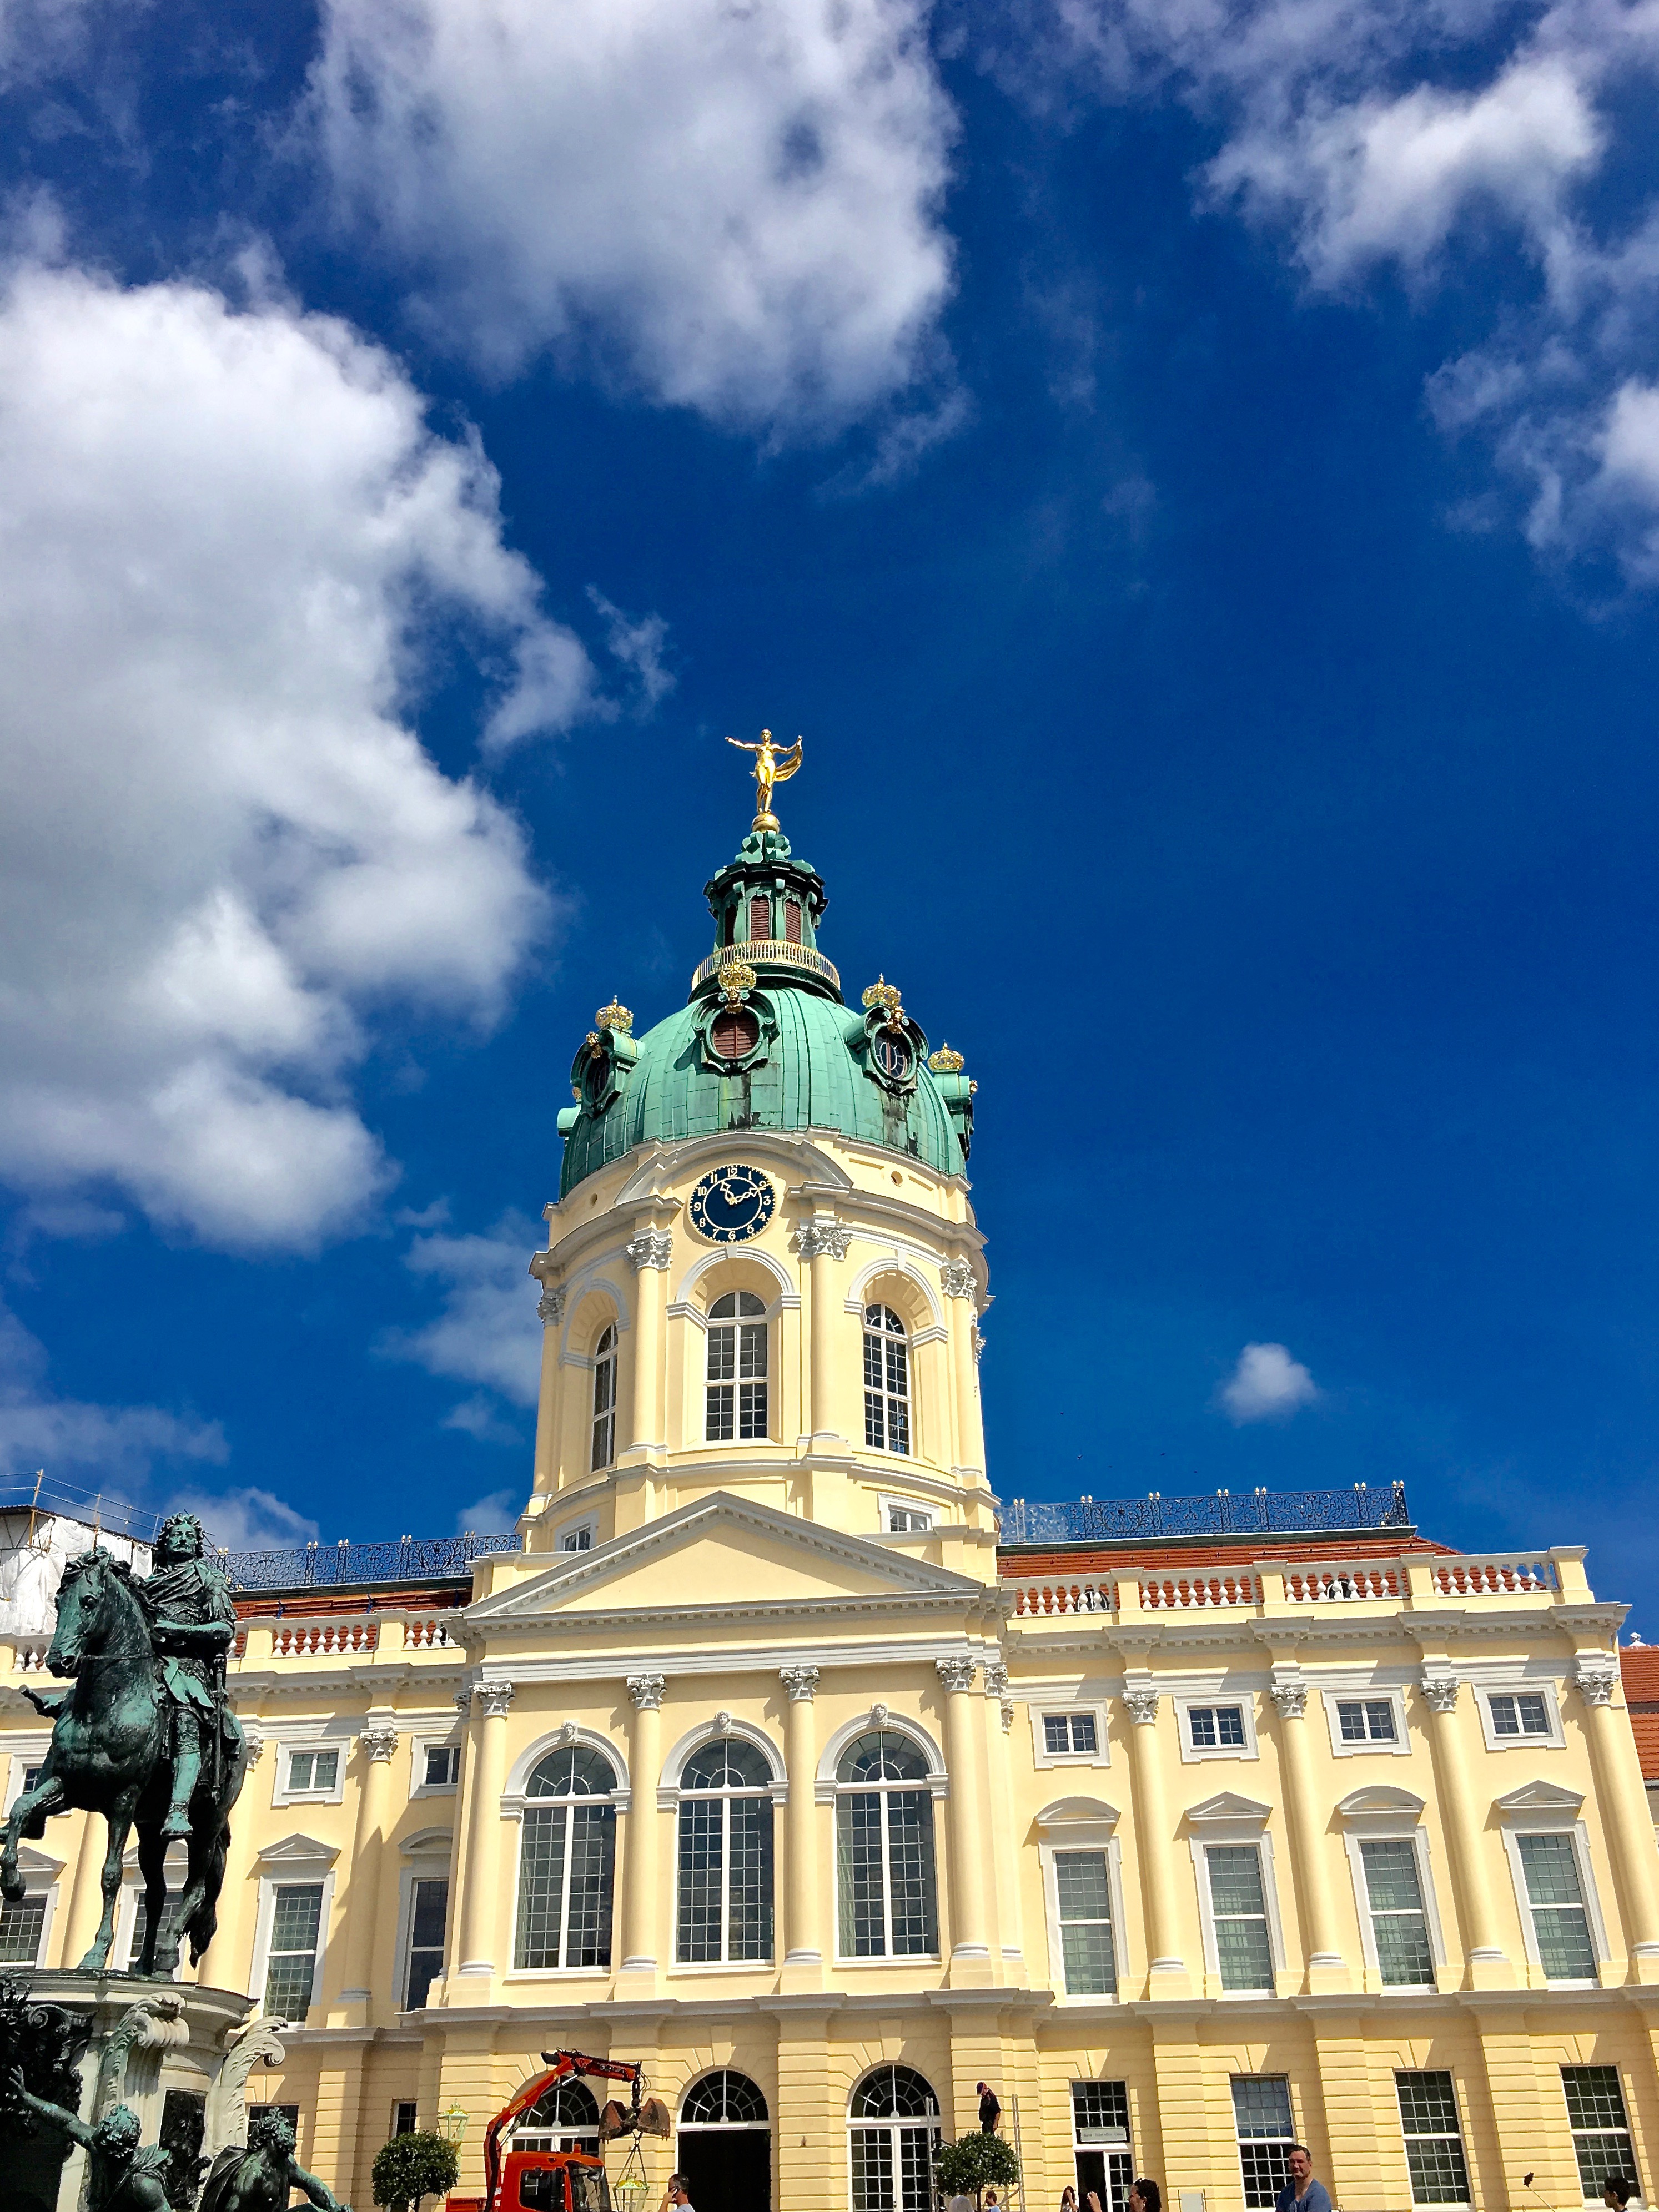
point(192, 1620)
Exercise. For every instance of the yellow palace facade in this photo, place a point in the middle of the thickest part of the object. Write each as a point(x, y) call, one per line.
point(776, 1754)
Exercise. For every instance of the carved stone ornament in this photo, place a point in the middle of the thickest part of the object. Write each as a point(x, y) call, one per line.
point(569, 1733)
point(956, 1674)
point(151, 2024)
point(1291, 1698)
point(550, 1306)
point(463, 1701)
point(255, 1740)
point(957, 1276)
point(380, 1740)
point(1595, 1682)
point(1441, 1691)
point(979, 1346)
point(225, 2120)
point(496, 1698)
point(1007, 1714)
point(824, 1238)
point(1143, 1706)
point(646, 1691)
point(801, 1683)
point(996, 1679)
point(879, 1716)
point(722, 1723)
point(651, 1247)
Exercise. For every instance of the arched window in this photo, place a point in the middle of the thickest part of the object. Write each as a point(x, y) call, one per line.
point(566, 1862)
point(893, 2123)
point(884, 1848)
point(605, 1400)
point(565, 2118)
point(726, 1854)
point(736, 1368)
point(886, 1381)
point(724, 2100)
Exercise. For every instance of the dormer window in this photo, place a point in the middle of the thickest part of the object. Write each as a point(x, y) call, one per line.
point(891, 1051)
point(733, 1033)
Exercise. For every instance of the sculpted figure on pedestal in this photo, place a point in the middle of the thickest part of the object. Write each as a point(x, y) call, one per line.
point(122, 2175)
point(258, 2179)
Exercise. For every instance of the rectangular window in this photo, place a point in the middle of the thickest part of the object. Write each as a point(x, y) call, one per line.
point(1066, 1732)
point(1100, 2141)
point(1366, 1720)
point(566, 1863)
point(736, 1382)
point(604, 1407)
point(760, 917)
point(1434, 2141)
point(21, 1925)
point(577, 1539)
point(906, 1520)
point(1400, 1926)
point(1560, 1925)
point(141, 1922)
point(443, 1766)
point(1524, 1714)
point(31, 1779)
point(291, 1962)
point(403, 2119)
point(1240, 1913)
point(1085, 1924)
point(313, 1770)
point(428, 1911)
point(1262, 2114)
point(1213, 1727)
point(1601, 2127)
point(885, 1873)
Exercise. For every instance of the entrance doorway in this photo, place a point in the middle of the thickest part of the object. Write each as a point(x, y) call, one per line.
point(725, 2147)
point(1100, 2138)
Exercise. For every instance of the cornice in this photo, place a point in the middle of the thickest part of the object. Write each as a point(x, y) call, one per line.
point(686, 1662)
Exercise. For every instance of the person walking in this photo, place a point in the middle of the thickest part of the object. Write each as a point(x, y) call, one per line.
point(1301, 2193)
point(989, 2111)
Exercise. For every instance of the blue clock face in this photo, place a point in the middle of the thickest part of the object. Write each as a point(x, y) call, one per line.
point(732, 1204)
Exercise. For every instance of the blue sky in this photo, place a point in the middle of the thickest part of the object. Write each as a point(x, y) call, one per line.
point(1190, 468)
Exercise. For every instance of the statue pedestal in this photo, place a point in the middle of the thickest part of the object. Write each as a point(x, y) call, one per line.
point(178, 2055)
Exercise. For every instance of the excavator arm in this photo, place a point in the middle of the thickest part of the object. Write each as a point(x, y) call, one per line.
point(560, 2065)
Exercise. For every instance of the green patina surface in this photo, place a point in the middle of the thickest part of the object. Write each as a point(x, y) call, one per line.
point(812, 1070)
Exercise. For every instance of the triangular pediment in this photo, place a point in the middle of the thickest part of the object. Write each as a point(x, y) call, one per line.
point(717, 1552)
point(1228, 1806)
point(298, 1851)
point(1540, 1797)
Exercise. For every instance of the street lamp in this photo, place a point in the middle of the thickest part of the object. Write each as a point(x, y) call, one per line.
point(452, 2122)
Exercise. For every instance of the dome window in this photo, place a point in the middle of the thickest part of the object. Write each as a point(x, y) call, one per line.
point(892, 1052)
point(734, 1034)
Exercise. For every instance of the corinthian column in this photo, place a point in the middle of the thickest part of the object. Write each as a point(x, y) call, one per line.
point(957, 1281)
point(645, 1763)
point(650, 1251)
point(803, 1937)
point(820, 1242)
point(1153, 1837)
point(378, 1741)
point(481, 1876)
point(1481, 1940)
point(968, 1938)
point(1303, 1803)
point(1623, 1801)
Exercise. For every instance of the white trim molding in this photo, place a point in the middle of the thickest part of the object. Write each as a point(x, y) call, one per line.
point(711, 1731)
point(1231, 1819)
point(513, 1797)
point(1382, 1814)
point(1068, 1709)
point(1521, 1687)
point(296, 1859)
point(1244, 1701)
point(1367, 1748)
point(1082, 1824)
point(825, 1785)
point(1545, 1808)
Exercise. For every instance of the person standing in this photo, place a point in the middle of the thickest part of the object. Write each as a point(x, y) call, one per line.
point(678, 2198)
point(1146, 2195)
point(1301, 2193)
point(989, 2111)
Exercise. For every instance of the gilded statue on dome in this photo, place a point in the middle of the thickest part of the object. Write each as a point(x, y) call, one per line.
point(773, 764)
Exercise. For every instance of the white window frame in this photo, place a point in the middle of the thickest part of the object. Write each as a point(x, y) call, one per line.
point(1543, 1808)
point(432, 1740)
point(670, 1796)
point(1040, 1711)
point(1632, 2172)
point(20, 1762)
point(1389, 1816)
point(611, 1357)
point(1400, 1748)
point(1082, 1824)
point(1194, 1754)
point(1555, 1741)
point(1231, 1821)
point(286, 1747)
point(907, 1338)
point(515, 1804)
point(427, 1857)
point(829, 1790)
point(885, 1504)
point(1459, 2135)
point(41, 1878)
point(296, 1859)
point(585, 1524)
point(738, 1320)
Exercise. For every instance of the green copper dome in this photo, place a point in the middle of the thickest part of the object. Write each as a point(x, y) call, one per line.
point(766, 1041)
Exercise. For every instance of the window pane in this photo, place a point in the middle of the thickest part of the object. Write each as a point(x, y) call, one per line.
point(1230, 1723)
point(1262, 2115)
point(1551, 1870)
point(1379, 1716)
point(1235, 1878)
point(1391, 1876)
point(875, 1428)
point(749, 1909)
point(910, 1852)
point(1560, 1924)
point(722, 1407)
point(1600, 2131)
point(1055, 1733)
point(1404, 1959)
point(1083, 1732)
point(751, 1409)
point(20, 1931)
point(1534, 1715)
point(873, 2169)
point(1080, 1882)
point(1350, 1720)
point(541, 1883)
point(859, 1876)
point(1503, 1721)
point(1434, 2143)
point(700, 1877)
point(1201, 1719)
point(592, 1843)
point(722, 1355)
point(1243, 1953)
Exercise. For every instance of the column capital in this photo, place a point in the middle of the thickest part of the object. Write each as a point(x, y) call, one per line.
point(1290, 1699)
point(646, 1691)
point(1441, 1691)
point(550, 1306)
point(996, 1679)
point(651, 1247)
point(380, 1741)
point(822, 1238)
point(1142, 1706)
point(956, 1674)
point(801, 1683)
point(1596, 1678)
point(254, 1738)
point(463, 1701)
point(496, 1698)
point(957, 1280)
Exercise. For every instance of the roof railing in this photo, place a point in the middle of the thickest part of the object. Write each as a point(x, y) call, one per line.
point(767, 952)
point(1227, 1513)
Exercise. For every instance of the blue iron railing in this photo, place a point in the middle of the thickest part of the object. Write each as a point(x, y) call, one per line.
point(1227, 1513)
point(313, 1566)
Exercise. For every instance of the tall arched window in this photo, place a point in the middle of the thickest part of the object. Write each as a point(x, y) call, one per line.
point(893, 2123)
point(884, 1848)
point(565, 2118)
point(567, 1860)
point(605, 1400)
point(736, 1368)
point(726, 1854)
point(886, 1381)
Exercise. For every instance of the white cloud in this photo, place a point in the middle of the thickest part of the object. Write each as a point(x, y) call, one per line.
point(222, 535)
point(637, 642)
point(734, 208)
point(249, 1520)
point(89, 1447)
point(1266, 1384)
point(489, 1517)
point(487, 1332)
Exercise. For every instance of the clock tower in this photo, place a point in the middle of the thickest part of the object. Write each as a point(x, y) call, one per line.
point(763, 1274)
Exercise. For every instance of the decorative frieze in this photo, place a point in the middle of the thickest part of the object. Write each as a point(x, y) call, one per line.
point(956, 1674)
point(646, 1691)
point(1441, 1691)
point(957, 1281)
point(651, 1247)
point(496, 1698)
point(823, 1238)
point(378, 1741)
point(550, 1306)
point(800, 1682)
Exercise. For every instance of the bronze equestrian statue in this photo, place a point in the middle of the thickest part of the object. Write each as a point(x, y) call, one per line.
point(145, 1734)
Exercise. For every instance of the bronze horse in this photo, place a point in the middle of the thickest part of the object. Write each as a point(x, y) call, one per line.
point(110, 1754)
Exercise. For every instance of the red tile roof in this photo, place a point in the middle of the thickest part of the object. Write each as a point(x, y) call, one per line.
point(1640, 1668)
